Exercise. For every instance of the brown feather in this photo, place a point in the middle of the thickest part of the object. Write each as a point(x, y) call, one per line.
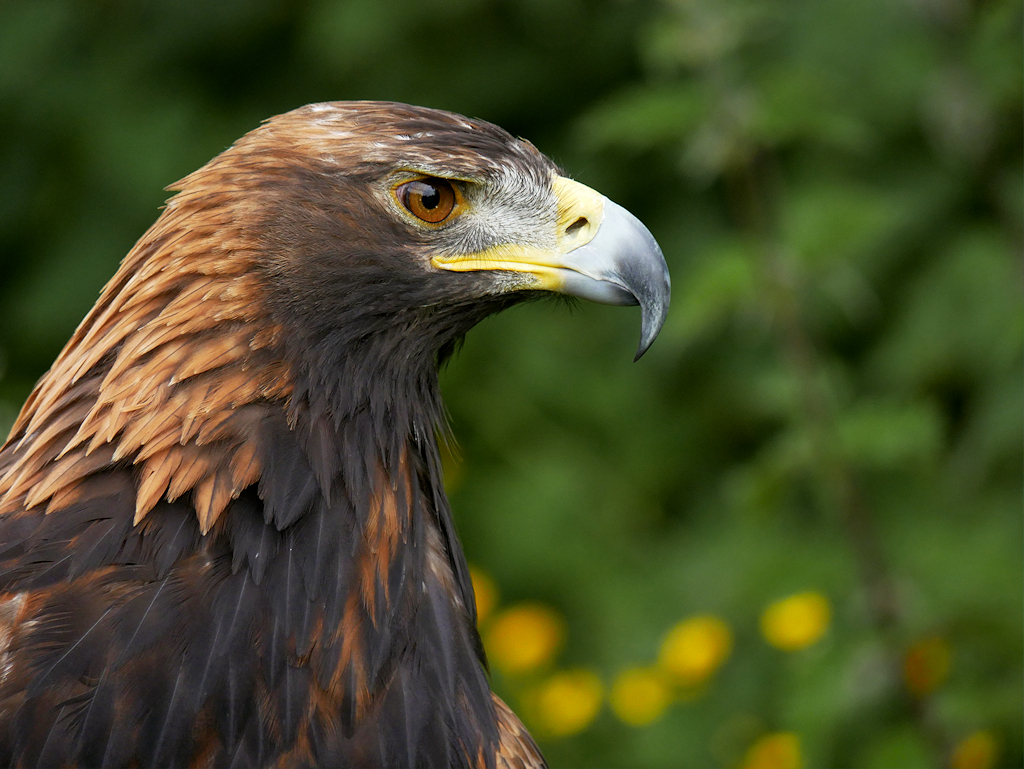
point(158, 323)
point(516, 748)
point(210, 496)
point(245, 467)
point(193, 467)
point(156, 475)
point(386, 524)
point(178, 404)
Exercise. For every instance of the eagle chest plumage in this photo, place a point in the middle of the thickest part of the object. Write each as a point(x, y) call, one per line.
point(224, 539)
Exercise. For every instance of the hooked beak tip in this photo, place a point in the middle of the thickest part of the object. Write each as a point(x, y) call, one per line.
point(652, 319)
point(622, 264)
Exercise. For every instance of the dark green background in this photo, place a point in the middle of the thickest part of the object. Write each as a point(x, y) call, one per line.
point(834, 404)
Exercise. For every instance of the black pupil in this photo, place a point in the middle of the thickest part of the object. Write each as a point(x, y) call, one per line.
point(430, 196)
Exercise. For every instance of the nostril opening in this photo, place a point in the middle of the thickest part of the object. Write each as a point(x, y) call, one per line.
point(576, 226)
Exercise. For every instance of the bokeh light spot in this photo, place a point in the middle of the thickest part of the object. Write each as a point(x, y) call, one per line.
point(568, 701)
point(524, 637)
point(640, 695)
point(978, 751)
point(486, 592)
point(695, 648)
point(926, 665)
point(780, 750)
point(797, 621)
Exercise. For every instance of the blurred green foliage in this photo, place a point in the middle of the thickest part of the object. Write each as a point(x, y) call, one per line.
point(835, 403)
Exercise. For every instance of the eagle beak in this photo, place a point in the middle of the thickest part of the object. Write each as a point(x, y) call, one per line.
point(602, 253)
point(620, 262)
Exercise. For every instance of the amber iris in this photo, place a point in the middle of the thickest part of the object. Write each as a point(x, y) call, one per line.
point(431, 200)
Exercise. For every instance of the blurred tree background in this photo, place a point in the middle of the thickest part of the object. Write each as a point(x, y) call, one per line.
point(792, 534)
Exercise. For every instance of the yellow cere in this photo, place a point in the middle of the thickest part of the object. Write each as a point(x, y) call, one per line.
point(524, 637)
point(580, 211)
point(978, 751)
point(780, 750)
point(796, 622)
point(567, 702)
point(695, 648)
point(640, 695)
point(926, 665)
point(486, 592)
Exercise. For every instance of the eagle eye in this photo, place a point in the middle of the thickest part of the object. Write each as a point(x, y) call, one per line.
point(431, 199)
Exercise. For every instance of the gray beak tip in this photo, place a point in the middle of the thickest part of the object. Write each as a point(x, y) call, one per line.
point(645, 345)
point(622, 265)
point(642, 272)
point(653, 310)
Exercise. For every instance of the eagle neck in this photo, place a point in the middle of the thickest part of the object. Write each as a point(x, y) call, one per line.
point(393, 584)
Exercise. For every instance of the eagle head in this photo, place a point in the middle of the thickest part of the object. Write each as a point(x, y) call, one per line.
point(399, 227)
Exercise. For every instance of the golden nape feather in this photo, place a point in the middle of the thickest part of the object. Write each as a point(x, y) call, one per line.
point(224, 538)
point(161, 370)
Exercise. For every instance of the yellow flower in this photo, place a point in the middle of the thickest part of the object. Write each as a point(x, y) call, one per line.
point(524, 637)
point(926, 665)
point(695, 648)
point(486, 593)
point(780, 750)
point(568, 701)
point(975, 752)
point(797, 621)
point(640, 695)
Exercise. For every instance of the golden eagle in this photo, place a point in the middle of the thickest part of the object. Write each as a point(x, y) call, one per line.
point(224, 539)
